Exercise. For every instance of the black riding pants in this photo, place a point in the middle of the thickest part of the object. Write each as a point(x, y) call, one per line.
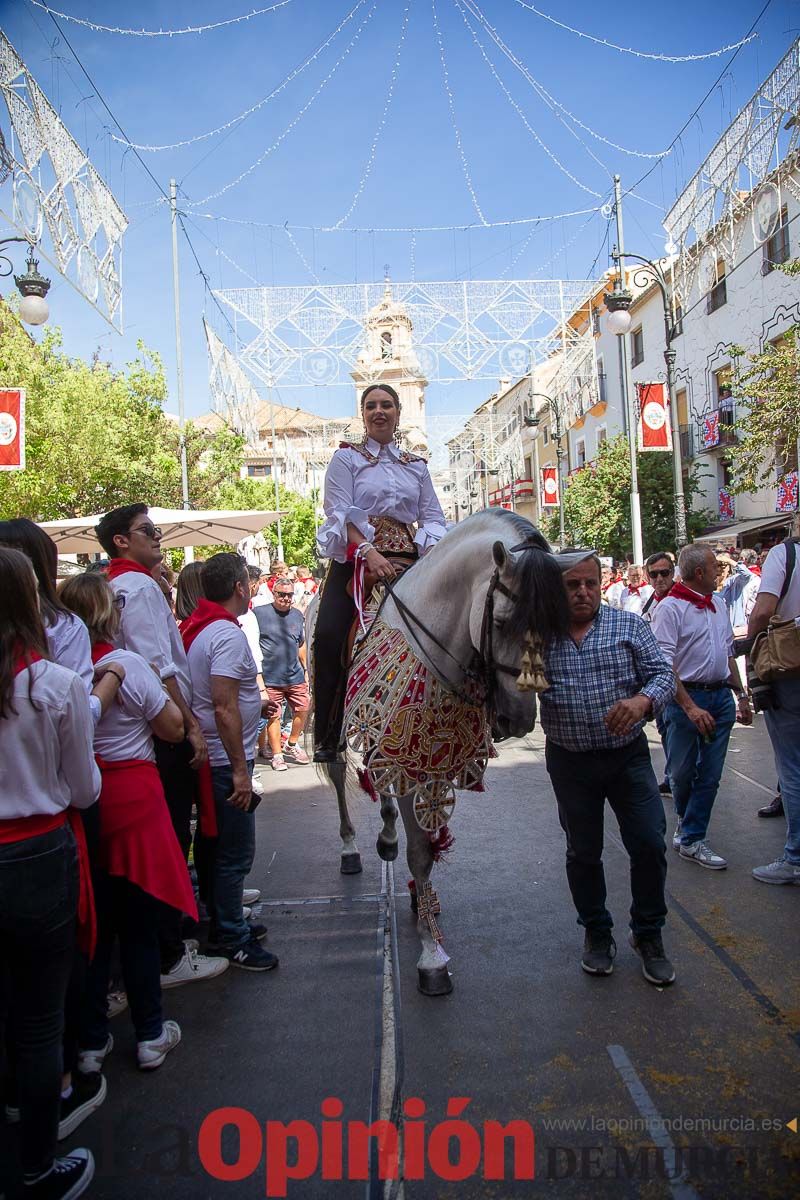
point(334, 619)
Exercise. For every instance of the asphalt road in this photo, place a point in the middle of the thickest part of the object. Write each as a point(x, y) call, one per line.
point(626, 1090)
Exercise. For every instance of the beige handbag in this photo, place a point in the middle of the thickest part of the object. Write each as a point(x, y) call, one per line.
point(776, 651)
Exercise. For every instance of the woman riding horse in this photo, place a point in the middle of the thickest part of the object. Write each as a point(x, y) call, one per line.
point(374, 493)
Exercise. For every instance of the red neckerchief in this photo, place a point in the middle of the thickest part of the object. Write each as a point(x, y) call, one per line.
point(20, 660)
point(754, 570)
point(634, 588)
point(120, 566)
point(100, 650)
point(681, 592)
point(206, 613)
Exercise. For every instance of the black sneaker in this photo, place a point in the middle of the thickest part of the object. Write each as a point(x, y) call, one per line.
point(88, 1093)
point(257, 932)
point(67, 1179)
point(656, 967)
point(599, 951)
point(251, 957)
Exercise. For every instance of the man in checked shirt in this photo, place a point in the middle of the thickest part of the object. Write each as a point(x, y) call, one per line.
point(607, 677)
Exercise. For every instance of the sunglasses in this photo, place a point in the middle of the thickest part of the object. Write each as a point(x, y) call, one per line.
point(660, 574)
point(151, 531)
point(283, 595)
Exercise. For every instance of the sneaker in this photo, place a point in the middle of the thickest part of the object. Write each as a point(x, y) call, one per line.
point(257, 932)
point(150, 1055)
point(247, 912)
point(88, 1093)
point(701, 853)
point(191, 943)
point(192, 968)
point(91, 1061)
point(779, 871)
point(67, 1179)
point(656, 967)
point(279, 763)
point(676, 837)
point(117, 1003)
point(297, 754)
point(251, 895)
point(252, 957)
point(599, 951)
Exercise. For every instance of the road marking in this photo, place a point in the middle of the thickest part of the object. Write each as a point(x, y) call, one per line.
point(755, 783)
point(678, 1183)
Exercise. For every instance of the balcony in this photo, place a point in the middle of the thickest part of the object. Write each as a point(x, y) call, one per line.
point(688, 442)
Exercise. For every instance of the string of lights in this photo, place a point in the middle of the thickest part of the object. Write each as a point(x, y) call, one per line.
point(300, 254)
point(417, 229)
point(382, 121)
point(248, 112)
point(565, 170)
point(547, 96)
point(153, 33)
point(667, 58)
point(453, 120)
point(265, 154)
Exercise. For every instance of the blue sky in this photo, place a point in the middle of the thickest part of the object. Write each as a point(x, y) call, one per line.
point(163, 90)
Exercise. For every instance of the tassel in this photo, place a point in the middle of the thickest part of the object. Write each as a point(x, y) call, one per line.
point(366, 783)
point(441, 843)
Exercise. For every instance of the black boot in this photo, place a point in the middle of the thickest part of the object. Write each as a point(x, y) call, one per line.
point(773, 809)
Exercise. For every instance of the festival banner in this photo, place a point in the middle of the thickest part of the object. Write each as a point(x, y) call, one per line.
point(523, 489)
point(727, 505)
point(549, 487)
point(786, 500)
point(654, 427)
point(12, 429)
point(710, 432)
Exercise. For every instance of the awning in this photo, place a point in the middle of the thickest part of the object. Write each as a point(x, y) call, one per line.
point(728, 533)
point(180, 527)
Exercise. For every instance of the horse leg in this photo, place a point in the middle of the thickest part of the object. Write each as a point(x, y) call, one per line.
point(432, 974)
point(351, 859)
point(386, 844)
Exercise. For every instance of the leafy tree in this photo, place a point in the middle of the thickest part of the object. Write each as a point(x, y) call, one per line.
point(597, 502)
point(769, 383)
point(297, 527)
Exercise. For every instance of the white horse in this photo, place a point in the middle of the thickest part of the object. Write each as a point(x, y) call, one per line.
point(475, 612)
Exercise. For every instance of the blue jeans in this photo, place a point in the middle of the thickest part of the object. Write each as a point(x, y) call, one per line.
point(695, 765)
point(783, 727)
point(233, 859)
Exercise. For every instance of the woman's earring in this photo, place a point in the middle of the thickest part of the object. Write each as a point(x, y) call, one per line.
point(398, 437)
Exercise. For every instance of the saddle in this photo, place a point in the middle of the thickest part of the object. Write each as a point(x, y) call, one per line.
point(395, 541)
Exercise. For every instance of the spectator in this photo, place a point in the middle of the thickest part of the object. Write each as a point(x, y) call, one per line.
point(148, 628)
point(188, 591)
point(229, 709)
point(283, 674)
point(636, 592)
point(47, 772)
point(694, 633)
point(607, 676)
point(779, 596)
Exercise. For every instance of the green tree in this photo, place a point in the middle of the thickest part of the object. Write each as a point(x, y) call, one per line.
point(297, 527)
point(597, 503)
point(769, 385)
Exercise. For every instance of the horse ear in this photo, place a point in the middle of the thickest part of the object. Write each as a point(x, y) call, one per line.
point(500, 555)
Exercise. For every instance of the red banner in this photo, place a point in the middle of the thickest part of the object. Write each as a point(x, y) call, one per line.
point(12, 429)
point(549, 487)
point(654, 427)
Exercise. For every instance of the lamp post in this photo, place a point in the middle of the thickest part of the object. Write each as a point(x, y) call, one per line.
point(33, 287)
point(532, 421)
point(618, 304)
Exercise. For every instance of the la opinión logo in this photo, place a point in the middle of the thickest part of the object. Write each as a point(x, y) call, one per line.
point(452, 1149)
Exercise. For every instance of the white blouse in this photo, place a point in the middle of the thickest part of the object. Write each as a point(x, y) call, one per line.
point(357, 489)
point(70, 646)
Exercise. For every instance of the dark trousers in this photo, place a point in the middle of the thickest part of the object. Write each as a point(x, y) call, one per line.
point(334, 619)
point(124, 911)
point(38, 904)
point(179, 782)
point(582, 783)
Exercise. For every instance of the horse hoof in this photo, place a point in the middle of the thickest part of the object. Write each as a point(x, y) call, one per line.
point(434, 981)
point(351, 864)
point(388, 851)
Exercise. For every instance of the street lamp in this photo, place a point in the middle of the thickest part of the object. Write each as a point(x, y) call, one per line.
point(618, 304)
point(33, 287)
point(532, 421)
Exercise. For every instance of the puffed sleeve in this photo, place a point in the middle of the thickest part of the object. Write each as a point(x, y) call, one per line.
point(432, 527)
point(341, 510)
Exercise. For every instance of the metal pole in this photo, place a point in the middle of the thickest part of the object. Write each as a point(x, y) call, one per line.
point(636, 512)
point(275, 473)
point(173, 204)
point(562, 540)
point(681, 536)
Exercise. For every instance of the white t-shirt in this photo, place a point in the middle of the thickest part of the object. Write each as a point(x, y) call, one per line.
point(222, 649)
point(249, 624)
point(773, 574)
point(148, 628)
point(70, 647)
point(124, 731)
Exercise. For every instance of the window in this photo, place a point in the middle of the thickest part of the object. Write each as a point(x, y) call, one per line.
point(545, 435)
point(726, 474)
point(386, 344)
point(580, 453)
point(258, 471)
point(602, 381)
point(602, 434)
point(776, 248)
point(637, 347)
point(719, 292)
point(724, 395)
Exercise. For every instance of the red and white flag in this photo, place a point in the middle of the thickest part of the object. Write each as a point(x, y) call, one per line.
point(12, 429)
point(654, 427)
point(549, 488)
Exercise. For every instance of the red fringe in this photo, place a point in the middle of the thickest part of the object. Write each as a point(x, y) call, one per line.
point(412, 887)
point(441, 843)
point(366, 784)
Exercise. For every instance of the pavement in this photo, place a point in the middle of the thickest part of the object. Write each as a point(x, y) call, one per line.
point(624, 1089)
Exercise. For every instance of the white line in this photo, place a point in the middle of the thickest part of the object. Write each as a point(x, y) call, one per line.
point(679, 1185)
point(755, 783)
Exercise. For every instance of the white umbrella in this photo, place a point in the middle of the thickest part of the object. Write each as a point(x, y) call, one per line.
point(179, 527)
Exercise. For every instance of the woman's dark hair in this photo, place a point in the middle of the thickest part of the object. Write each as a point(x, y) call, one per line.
point(22, 534)
point(189, 590)
point(380, 387)
point(21, 629)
